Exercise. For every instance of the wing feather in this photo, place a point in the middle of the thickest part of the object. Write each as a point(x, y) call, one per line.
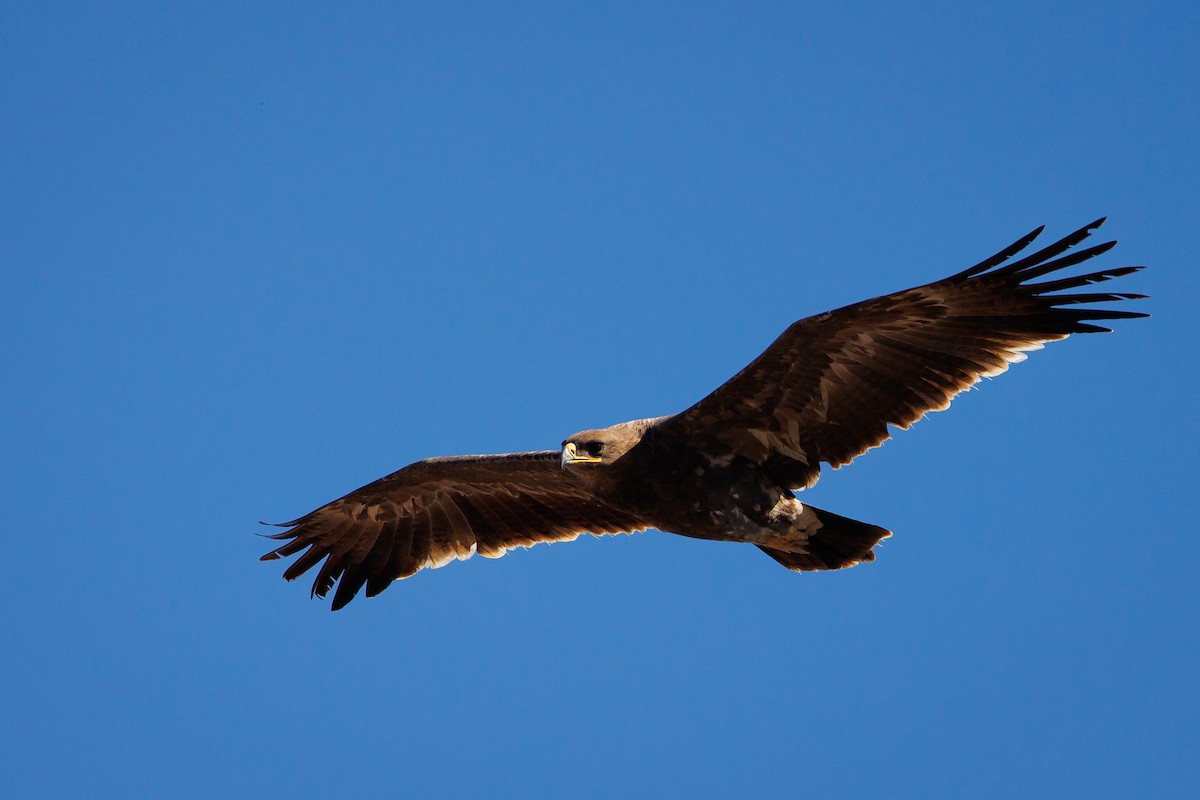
point(374, 564)
point(397, 565)
point(421, 544)
point(829, 387)
point(435, 511)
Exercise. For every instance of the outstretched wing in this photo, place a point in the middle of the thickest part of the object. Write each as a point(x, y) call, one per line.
point(829, 387)
point(435, 511)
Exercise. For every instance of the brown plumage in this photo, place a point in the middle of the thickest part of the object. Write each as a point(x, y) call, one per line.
point(825, 391)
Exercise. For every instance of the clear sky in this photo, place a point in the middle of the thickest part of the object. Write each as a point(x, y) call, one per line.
point(254, 257)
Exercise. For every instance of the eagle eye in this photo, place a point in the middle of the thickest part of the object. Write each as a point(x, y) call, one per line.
point(594, 448)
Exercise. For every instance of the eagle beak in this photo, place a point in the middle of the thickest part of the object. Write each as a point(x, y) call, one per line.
point(570, 456)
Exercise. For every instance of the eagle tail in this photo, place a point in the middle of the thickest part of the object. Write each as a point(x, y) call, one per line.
point(839, 542)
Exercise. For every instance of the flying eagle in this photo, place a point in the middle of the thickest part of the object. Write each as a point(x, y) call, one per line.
point(726, 468)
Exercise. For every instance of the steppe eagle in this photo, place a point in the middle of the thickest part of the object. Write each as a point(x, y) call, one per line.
point(825, 391)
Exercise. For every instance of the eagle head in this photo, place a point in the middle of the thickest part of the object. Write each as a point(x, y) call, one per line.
point(603, 446)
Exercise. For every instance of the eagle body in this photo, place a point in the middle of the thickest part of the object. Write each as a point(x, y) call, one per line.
point(678, 488)
point(727, 468)
point(714, 493)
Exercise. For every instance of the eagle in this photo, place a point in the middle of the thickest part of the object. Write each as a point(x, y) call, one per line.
point(727, 468)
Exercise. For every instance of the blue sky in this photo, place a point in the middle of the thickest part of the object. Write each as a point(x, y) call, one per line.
point(257, 256)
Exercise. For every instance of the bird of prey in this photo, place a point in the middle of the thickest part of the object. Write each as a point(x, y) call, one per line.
point(727, 468)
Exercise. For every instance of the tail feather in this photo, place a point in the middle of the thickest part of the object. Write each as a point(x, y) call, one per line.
point(839, 542)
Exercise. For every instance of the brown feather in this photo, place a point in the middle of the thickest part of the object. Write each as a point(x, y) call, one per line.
point(439, 510)
point(828, 389)
point(837, 380)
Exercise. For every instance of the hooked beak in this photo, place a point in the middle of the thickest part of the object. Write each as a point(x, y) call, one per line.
point(570, 456)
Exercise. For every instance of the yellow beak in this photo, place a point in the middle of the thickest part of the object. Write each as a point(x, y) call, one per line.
point(570, 456)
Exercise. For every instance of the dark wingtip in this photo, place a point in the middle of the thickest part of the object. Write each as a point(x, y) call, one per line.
point(1002, 256)
point(277, 536)
point(291, 524)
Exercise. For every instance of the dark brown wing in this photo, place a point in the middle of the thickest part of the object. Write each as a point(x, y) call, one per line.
point(829, 387)
point(435, 511)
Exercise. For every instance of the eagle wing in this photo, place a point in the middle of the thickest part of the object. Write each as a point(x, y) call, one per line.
point(434, 511)
point(829, 387)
